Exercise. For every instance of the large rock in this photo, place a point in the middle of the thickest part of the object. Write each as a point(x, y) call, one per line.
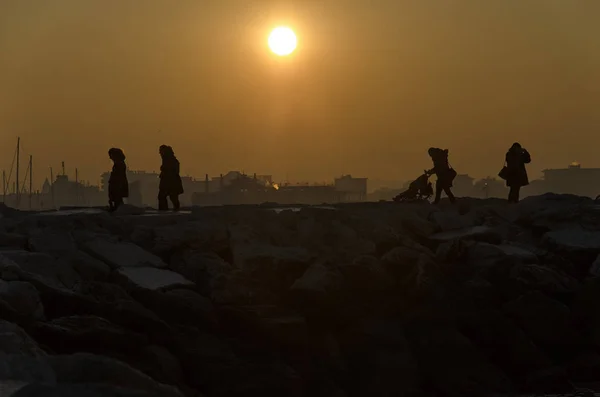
point(51, 241)
point(78, 390)
point(179, 306)
point(586, 311)
point(150, 278)
point(86, 333)
point(320, 288)
point(41, 270)
point(447, 221)
point(122, 255)
point(519, 356)
point(18, 368)
point(206, 270)
point(14, 340)
point(85, 368)
point(450, 363)
point(543, 278)
point(484, 254)
point(474, 233)
point(275, 267)
point(206, 236)
point(12, 241)
point(546, 321)
point(23, 298)
point(380, 360)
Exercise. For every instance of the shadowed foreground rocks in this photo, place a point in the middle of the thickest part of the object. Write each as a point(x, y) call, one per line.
point(378, 299)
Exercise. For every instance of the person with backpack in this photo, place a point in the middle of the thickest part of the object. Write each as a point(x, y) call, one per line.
point(444, 172)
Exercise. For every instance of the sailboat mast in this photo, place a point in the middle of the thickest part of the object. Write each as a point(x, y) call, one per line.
point(77, 186)
point(4, 186)
point(17, 181)
point(52, 187)
point(30, 179)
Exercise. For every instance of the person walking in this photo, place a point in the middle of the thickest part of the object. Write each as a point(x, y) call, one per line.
point(444, 173)
point(118, 187)
point(514, 172)
point(170, 181)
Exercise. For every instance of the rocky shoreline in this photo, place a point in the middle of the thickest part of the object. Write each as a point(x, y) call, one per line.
point(378, 299)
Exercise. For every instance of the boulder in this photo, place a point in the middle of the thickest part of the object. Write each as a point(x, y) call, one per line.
point(519, 356)
point(78, 390)
point(41, 270)
point(319, 289)
point(205, 236)
point(12, 241)
point(14, 340)
point(543, 278)
point(85, 368)
point(366, 275)
point(122, 255)
point(474, 233)
point(484, 254)
point(380, 360)
point(179, 306)
point(86, 333)
point(574, 240)
point(206, 270)
point(450, 363)
point(586, 311)
point(128, 209)
point(546, 321)
point(447, 221)
point(88, 267)
point(23, 298)
point(161, 365)
point(418, 227)
point(274, 267)
point(149, 278)
point(25, 369)
point(51, 241)
point(414, 271)
point(595, 268)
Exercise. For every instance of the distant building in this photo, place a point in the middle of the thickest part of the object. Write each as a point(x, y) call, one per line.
point(351, 189)
point(573, 180)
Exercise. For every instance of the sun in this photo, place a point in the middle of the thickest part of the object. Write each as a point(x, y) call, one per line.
point(282, 41)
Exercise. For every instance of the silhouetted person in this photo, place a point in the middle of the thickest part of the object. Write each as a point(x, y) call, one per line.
point(118, 187)
point(444, 173)
point(516, 174)
point(170, 182)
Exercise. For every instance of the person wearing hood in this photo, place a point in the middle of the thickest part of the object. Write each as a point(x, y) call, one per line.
point(444, 173)
point(118, 186)
point(515, 172)
point(170, 181)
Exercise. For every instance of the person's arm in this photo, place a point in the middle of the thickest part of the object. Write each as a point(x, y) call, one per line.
point(526, 157)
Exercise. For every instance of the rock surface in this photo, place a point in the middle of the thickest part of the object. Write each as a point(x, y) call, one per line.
point(362, 299)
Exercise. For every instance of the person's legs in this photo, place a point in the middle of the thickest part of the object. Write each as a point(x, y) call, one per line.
point(438, 193)
point(117, 202)
point(175, 201)
point(450, 195)
point(163, 205)
point(517, 192)
point(513, 194)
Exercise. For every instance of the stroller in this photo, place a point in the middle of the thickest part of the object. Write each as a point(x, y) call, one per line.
point(419, 190)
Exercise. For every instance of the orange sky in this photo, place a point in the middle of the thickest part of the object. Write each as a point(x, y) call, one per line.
point(371, 86)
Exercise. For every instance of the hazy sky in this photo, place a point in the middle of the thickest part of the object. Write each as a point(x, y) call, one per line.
point(371, 86)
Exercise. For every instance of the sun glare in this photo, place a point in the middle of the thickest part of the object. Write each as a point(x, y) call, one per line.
point(282, 41)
